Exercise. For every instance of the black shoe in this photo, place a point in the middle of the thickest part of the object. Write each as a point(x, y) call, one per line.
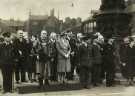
point(109, 85)
point(17, 82)
point(88, 87)
point(40, 82)
point(34, 80)
point(65, 83)
point(11, 91)
point(95, 85)
point(47, 82)
point(24, 81)
point(31, 81)
point(4, 92)
point(40, 87)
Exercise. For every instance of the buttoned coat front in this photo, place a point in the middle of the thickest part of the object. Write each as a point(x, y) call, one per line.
point(63, 48)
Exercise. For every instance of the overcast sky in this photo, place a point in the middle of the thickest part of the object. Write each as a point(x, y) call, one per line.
point(19, 9)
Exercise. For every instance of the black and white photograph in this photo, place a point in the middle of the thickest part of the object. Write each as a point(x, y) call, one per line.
point(67, 47)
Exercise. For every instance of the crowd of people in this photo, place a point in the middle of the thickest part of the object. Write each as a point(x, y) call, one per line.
point(59, 57)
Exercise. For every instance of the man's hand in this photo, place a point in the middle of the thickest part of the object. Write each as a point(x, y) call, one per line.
point(38, 57)
point(52, 59)
point(72, 53)
point(20, 52)
point(66, 55)
point(16, 60)
point(124, 64)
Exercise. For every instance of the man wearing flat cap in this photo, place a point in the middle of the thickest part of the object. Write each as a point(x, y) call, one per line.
point(108, 58)
point(85, 62)
point(6, 61)
point(97, 61)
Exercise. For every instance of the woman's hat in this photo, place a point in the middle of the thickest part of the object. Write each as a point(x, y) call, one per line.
point(6, 34)
point(1, 39)
point(89, 36)
point(63, 33)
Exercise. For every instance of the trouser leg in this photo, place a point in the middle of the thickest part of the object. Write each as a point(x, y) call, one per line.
point(83, 76)
point(30, 75)
point(9, 84)
point(41, 72)
point(7, 73)
point(88, 76)
point(4, 74)
point(96, 74)
point(53, 71)
point(23, 79)
point(109, 78)
point(17, 75)
point(47, 73)
point(72, 68)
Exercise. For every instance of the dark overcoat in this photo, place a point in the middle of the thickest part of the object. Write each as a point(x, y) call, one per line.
point(44, 58)
point(7, 66)
point(29, 56)
point(96, 54)
point(74, 57)
point(85, 55)
point(7, 55)
point(128, 56)
point(21, 46)
point(108, 57)
point(132, 62)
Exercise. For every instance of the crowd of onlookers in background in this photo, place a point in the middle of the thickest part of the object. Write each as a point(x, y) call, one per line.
point(61, 57)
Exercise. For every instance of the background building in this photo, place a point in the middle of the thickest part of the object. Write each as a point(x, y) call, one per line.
point(14, 25)
point(11, 25)
point(131, 9)
point(36, 23)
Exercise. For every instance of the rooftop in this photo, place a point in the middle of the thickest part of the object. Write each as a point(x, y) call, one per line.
point(38, 17)
point(12, 22)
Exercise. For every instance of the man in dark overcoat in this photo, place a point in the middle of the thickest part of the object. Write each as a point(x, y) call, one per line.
point(97, 60)
point(44, 67)
point(108, 58)
point(127, 56)
point(29, 57)
point(20, 47)
point(7, 63)
point(85, 61)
